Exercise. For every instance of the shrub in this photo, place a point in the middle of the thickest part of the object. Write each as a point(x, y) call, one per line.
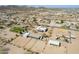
point(60, 21)
point(17, 29)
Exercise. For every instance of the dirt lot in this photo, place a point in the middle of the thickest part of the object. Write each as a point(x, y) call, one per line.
point(30, 45)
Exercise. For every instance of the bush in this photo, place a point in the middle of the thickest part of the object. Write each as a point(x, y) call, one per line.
point(1, 27)
point(60, 21)
point(17, 29)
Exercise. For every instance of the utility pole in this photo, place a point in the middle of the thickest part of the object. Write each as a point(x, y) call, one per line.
point(66, 48)
point(70, 37)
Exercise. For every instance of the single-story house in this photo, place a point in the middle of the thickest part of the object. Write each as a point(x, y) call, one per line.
point(36, 36)
point(32, 35)
point(41, 29)
point(54, 42)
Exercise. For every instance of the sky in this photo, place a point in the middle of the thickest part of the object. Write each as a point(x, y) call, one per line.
point(57, 6)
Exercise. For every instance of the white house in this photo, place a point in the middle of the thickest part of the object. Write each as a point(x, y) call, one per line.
point(53, 24)
point(72, 36)
point(54, 42)
point(32, 35)
point(58, 25)
point(67, 23)
point(41, 29)
point(70, 24)
point(36, 36)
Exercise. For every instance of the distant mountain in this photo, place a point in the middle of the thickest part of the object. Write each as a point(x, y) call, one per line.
point(2, 7)
point(43, 6)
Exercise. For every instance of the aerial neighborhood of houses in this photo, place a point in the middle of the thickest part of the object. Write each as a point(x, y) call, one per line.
point(30, 30)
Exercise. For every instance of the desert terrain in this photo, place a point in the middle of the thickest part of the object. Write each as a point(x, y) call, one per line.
point(28, 30)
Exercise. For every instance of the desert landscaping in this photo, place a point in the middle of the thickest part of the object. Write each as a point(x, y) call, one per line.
point(30, 30)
